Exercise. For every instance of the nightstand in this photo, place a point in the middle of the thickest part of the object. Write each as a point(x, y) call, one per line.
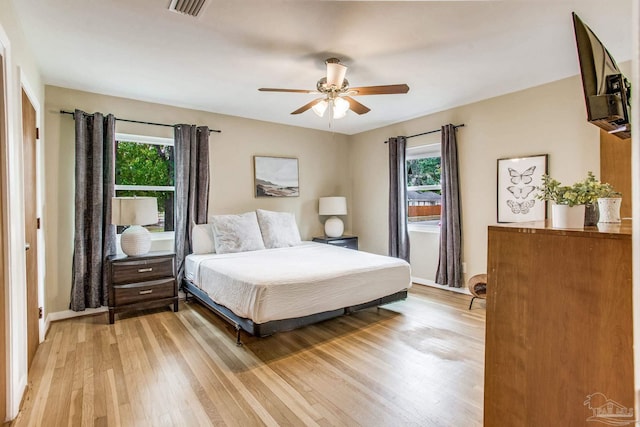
point(144, 281)
point(344, 241)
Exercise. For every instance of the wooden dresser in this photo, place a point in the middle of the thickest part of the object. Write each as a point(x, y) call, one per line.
point(559, 324)
point(138, 282)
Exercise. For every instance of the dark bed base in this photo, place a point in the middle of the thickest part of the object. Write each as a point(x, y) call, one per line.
point(269, 328)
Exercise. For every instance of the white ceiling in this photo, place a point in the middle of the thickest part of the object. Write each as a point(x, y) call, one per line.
point(449, 53)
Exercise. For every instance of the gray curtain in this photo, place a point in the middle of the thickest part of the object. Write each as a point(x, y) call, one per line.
point(398, 230)
point(192, 186)
point(450, 264)
point(95, 236)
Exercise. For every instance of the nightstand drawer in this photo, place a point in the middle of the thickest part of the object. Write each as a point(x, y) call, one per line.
point(141, 270)
point(147, 291)
point(344, 243)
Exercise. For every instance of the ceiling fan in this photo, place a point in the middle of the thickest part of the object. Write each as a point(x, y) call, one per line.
point(337, 95)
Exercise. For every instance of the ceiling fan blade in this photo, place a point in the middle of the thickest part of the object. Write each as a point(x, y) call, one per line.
point(307, 106)
point(356, 107)
point(380, 90)
point(270, 89)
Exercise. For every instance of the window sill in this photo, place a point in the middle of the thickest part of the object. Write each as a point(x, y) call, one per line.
point(422, 228)
point(162, 236)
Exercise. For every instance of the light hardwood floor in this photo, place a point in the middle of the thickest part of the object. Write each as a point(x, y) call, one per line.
point(417, 362)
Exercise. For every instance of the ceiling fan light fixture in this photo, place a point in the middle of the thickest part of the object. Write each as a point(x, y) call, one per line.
point(337, 94)
point(335, 74)
point(340, 107)
point(320, 108)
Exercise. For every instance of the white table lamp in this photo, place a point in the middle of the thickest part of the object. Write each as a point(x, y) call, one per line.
point(134, 212)
point(333, 227)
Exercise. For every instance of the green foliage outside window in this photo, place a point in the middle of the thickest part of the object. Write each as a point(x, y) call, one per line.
point(425, 171)
point(148, 165)
point(145, 164)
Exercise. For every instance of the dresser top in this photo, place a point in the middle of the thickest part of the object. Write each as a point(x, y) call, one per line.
point(621, 230)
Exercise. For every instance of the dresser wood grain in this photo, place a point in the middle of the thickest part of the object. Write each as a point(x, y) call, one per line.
point(559, 324)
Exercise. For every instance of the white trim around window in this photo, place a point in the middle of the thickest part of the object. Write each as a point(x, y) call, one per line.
point(422, 151)
point(143, 139)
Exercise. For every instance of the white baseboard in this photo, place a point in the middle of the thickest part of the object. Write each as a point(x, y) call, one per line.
point(68, 314)
point(427, 282)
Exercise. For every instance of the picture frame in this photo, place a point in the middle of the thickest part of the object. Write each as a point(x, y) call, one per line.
point(275, 176)
point(517, 180)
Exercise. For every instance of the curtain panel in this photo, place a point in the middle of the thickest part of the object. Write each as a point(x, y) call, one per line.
point(95, 236)
point(398, 227)
point(192, 187)
point(449, 271)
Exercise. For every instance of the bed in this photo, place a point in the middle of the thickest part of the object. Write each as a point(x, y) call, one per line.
point(288, 285)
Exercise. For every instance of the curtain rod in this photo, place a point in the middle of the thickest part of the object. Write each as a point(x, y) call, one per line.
point(432, 131)
point(143, 123)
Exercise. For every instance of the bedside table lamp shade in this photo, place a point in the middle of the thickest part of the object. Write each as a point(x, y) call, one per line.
point(333, 227)
point(134, 212)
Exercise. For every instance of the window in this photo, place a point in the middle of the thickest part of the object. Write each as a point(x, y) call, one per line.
point(145, 167)
point(423, 185)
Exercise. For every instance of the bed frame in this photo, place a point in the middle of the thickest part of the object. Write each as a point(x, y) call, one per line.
point(269, 328)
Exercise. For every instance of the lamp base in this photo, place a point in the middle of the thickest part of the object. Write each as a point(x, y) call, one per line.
point(333, 227)
point(135, 240)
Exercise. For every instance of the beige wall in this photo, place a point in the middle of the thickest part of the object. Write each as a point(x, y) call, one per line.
point(323, 160)
point(546, 119)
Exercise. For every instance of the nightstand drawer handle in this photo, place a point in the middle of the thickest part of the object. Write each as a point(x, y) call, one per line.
point(147, 292)
point(145, 270)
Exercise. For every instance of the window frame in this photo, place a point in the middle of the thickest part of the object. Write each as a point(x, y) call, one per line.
point(150, 140)
point(423, 152)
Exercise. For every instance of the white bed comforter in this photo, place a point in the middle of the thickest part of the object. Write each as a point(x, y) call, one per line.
point(284, 283)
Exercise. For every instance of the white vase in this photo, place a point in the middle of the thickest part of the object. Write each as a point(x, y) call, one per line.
point(565, 216)
point(609, 208)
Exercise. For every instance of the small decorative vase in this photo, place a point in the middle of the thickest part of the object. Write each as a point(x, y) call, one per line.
point(591, 214)
point(565, 216)
point(609, 208)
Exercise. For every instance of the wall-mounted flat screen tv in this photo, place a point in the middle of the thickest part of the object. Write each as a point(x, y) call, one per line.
point(607, 92)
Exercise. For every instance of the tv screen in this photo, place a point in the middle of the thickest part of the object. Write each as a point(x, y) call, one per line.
point(606, 91)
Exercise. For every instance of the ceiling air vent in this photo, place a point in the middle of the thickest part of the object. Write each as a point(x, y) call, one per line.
point(187, 7)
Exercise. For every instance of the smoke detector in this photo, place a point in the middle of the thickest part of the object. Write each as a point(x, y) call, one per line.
point(188, 7)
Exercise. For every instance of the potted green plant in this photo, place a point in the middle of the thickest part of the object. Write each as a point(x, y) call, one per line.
point(568, 202)
point(588, 193)
point(603, 196)
point(592, 187)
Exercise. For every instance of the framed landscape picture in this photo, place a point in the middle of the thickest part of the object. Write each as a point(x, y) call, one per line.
point(275, 176)
point(518, 178)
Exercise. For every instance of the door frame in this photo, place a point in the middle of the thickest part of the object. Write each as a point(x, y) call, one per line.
point(4, 277)
point(33, 99)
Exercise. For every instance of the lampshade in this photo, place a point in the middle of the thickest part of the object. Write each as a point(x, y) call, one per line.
point(340, 107)
point(134, 210)
point(335, 74)
point(320, 108)
point(333, 206)
point(337, 107)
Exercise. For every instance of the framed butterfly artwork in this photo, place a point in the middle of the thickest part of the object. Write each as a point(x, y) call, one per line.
point(518, 178)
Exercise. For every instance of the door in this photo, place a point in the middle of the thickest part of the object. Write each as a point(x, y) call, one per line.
point(4, 309)
point(29, 136)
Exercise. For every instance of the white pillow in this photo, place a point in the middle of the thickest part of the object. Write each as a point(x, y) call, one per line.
point(202, 240)
point(279, 229)
point(237, 233)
